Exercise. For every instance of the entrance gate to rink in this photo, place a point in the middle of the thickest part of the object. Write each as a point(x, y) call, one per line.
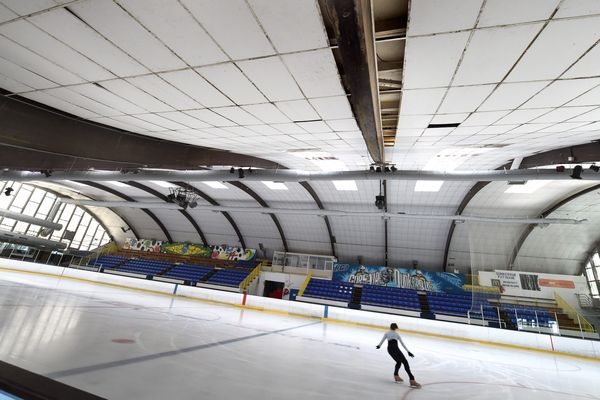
point(527, 320)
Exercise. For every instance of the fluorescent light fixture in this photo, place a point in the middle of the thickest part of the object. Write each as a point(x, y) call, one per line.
point(446, 160)
point(215, 185)
point(117, 183)
point(275, 185)
point(428, 186)
point(328, 163)
point(345, 185)
point(163, 184)
point(527, 188)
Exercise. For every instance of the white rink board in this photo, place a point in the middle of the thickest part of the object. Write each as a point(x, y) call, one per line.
point(535, 341)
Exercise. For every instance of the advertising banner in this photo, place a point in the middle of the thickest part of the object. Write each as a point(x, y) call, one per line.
point(408, 278)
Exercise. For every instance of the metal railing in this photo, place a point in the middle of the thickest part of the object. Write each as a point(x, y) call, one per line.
point(250, 278)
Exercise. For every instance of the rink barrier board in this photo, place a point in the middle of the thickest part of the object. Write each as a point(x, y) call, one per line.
point(467, 333)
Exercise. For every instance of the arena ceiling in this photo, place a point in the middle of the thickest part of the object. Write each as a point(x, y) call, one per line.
point(317, 86)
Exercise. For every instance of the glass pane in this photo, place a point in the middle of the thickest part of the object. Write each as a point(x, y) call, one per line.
point(105, 239)
point(20, 227)
point(20, 200)
point(30, 208)
point(38, 195)
point(590, 274)
point(45, 208)
point(596, 260)
point(594, 287)
point(8, 223)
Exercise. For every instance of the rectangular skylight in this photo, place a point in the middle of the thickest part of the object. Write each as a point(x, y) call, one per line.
point(527, 188)
point(117, 183)
point(428, 186)
point(345, 185)
point(328, 163)
point(163, 184)
point(275, 185)
point(215, 185)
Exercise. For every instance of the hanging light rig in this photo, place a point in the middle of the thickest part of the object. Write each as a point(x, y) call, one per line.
point(182, 197)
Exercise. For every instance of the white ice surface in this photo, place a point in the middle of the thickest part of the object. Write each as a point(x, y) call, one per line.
point(186, 349)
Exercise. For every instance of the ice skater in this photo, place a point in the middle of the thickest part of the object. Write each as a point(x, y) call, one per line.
point(393, 338)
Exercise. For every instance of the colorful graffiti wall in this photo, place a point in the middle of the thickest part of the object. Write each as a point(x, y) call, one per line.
point(407, 278)
point(222, 252)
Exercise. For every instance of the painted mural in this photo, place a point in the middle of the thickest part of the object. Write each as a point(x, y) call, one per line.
point(149, 245)
point(187, 249)
point(407, 278)
point(222, 252)
point(232, 253)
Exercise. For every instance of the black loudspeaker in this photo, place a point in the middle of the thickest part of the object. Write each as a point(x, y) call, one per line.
point(380, 202)
point(577, 172)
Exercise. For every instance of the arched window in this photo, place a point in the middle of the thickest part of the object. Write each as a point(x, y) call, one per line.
point(81, 231)
point(592, 273)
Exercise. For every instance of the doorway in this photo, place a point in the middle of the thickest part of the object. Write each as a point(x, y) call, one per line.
point(273, 289)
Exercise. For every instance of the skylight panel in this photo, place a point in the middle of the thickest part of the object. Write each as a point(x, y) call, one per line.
point(275, 185)
point(215, 185)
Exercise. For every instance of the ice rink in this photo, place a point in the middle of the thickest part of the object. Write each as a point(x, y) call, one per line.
point(126, 344)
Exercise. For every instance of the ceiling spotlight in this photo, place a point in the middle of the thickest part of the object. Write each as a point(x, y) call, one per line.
point(232, 170)
point(241, 173)
point(8, 191)
point(250, 170)
point(46, 172)
point(577, 172)
point(560, 168)
point(394, 169)
point(595, 168)
point(378, 169)
point(371, 168)
point(171, 197)
point(387, 169)
point(193, 204)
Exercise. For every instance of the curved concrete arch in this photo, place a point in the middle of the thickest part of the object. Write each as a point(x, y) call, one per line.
point(264, 204)
point(214, 203)
point(476, 188)
point(161, 196)
point(544, 214)
point(127, 198)
point(319, 203)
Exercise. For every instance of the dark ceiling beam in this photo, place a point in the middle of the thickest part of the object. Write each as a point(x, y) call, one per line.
point(127, 198)
point(163, 197)
point(319, 203)
point(264, 204)
point(588, 152)
point(214, 203)
point(392, 29)
point(461, 207)
point(352, 25)
point(35, 136)
point(525, 234)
